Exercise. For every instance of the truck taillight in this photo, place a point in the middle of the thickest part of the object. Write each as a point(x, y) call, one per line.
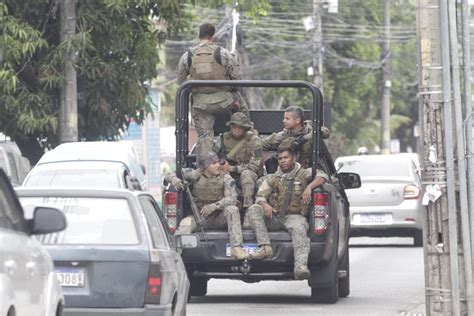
point(169, 207)
point(153, 287)
point(411, 192)
point(320, 213)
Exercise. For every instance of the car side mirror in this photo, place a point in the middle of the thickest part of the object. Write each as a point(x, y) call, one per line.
point(47, 220)
point(350, 180)
point(186, 241)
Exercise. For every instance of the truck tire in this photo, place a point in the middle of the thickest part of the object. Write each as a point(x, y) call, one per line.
point(345, 282)
point(418, 238)
point(324, 282)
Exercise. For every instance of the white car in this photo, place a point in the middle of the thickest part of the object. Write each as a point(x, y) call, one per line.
point(98, 164)
point(389, 201)
point(28, 285)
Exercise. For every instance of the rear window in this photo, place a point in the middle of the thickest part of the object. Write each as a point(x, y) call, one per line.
point(375, 168)
point(90, 221)
point(79, 177)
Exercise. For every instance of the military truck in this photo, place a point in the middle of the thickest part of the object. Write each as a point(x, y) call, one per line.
point(328, 218)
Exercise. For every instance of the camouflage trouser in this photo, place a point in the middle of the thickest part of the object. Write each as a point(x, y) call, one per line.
point(297, 225)
point(247, 181)
point(204, 116)
point(229, 218)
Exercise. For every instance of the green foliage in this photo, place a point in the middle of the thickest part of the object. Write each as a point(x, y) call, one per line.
point(116, 53)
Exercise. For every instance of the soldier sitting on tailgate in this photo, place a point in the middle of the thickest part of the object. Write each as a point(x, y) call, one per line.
point(215, 195)
point(242, 152)
point(296, 134)
point(282, 202)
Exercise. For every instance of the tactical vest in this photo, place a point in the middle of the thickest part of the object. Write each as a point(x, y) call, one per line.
point(245, 153)
point(279, 189)
point(208, 190)
point(304, 155)
point(205, 66)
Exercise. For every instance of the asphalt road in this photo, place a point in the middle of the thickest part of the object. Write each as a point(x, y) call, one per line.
point(387, 278)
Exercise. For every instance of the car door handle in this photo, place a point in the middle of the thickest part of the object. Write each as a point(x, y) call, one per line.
point(10, 266)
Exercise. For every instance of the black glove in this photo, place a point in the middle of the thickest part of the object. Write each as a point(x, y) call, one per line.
point(298, 143)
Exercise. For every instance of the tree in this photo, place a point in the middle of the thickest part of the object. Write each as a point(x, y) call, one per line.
point(116, 45)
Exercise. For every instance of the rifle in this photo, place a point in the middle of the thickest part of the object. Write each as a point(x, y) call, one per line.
point(196, 212)
point(200, 220)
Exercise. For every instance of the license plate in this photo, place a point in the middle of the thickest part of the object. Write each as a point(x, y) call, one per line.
point(249, 248)
point(372, 218)
point(70, 277)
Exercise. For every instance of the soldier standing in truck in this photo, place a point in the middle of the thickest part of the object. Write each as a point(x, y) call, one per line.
point(208, 61)
point(282, 202)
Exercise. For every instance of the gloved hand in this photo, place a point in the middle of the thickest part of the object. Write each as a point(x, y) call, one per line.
point(298, 143)
point(178, 184)
point(325, 132)
point(208, 209)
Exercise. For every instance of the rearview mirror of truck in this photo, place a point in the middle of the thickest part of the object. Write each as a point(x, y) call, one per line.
point(350, 180)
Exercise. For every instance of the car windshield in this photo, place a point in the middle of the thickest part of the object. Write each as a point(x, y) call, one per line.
point(395, 168)
point(97, 221)
point(74, 177)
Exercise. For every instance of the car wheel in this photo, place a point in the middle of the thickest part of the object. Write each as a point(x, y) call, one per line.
point(59, 310)
point(344, 282)
point(418, 238)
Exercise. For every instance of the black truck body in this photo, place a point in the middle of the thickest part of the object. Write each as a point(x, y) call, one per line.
point(328, 218)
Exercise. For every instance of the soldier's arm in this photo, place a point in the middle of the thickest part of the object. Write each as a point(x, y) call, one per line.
point(319, 179)
point(254, 163)
point(273, 141)
point(231, 64)
point(183, 69)
point(230, 193)
point(264, 191)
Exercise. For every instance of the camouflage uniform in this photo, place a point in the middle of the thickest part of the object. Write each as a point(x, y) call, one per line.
point(286, 137)
point(217, 192)
point(294, 220)
point(206, 101)
point(245, 152)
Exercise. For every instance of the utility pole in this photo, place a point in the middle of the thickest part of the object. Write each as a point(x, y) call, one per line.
point(386, 82)
point(447, 251)
point(68, 131)
point(318, 45)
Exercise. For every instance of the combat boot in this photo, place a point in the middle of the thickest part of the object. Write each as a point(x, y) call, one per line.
point(262, 252)
point(302, 272)
point(239, 253)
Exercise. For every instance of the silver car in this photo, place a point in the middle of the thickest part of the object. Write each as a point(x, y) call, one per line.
point(389, 201)
point(115, 257)
point(28, 285)
point(82, 163)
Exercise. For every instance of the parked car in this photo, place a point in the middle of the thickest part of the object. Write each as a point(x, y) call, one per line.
point(13, 163)
point(389, 201)
point(28, 285)
point(116, 256)
point(105, 164)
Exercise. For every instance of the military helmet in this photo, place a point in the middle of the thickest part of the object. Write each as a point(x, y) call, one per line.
point(206, 159)
point(239, 118)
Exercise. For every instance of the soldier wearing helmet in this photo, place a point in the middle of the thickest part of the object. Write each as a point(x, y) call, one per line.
point(242, 151)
